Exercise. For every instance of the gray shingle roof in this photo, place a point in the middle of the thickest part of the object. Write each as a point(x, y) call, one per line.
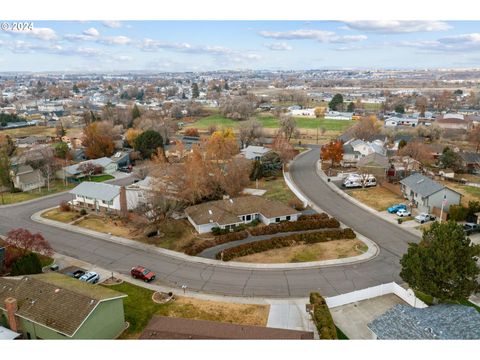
point(99, 191)
point(73, 169)
point(422, 184)
point(445, 321)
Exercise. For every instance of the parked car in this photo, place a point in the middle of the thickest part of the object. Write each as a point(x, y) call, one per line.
point(394, 208)
point(142, 273)
point(403, 212)
point(77, 274)
point(424, 217)
point(90, 277)
point(471, 228)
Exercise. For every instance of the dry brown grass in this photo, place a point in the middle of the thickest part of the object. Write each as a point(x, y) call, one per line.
point(29, 131)
point(246, 314)
point(377, 197)
point(105, 225)
point(469, 193)
point(62, 216)
point(335, 249)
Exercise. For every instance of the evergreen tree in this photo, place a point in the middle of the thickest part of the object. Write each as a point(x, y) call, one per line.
point(443, 264)
point(148, 142)
point(351, 107)
point(135, 112)
point(195, 91)
point(336, 102)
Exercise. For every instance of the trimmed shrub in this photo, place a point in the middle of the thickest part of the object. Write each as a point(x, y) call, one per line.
point(194, 249)
point(457, 213)
point(65, 206)
point(320, 216)
point(322, 317)
point(288, 226)
point(26, 265)
point(83, 212)
point(286, 241)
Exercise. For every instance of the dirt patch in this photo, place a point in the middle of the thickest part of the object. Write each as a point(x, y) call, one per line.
point(162, 298)
point(335, 249)
point(112, 281)
point(62, 216)
point(376, 197)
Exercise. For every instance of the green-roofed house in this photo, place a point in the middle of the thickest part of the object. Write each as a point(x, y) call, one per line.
point(55, 306)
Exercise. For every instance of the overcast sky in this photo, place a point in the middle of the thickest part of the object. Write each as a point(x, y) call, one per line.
point(213, 45)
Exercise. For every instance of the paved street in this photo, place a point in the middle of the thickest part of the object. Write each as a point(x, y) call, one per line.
point(238, 281)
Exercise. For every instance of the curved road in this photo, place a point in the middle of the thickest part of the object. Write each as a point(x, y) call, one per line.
point(238, 281)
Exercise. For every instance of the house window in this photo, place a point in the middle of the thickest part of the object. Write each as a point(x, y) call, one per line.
point(249, 217)
point(277, 219)
point(288, 217)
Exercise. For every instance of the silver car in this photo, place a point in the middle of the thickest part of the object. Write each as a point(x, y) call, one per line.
point(90, 277)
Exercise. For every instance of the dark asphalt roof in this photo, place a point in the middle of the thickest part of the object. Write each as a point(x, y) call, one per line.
point(421, 184)
point(445, 321)
point(470, 157)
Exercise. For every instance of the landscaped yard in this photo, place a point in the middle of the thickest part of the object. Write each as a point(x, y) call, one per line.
point(97, 178)
point(105, 225)
point(277, 190)
point(335, 249)
point(62, 216)
point(56, 186)
point(376, 197)
point(139, 309)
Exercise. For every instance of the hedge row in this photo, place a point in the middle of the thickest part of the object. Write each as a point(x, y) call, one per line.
point(286, 241)
point(320, 216)
point(221, 239)
point(300, 225)
point(322, 317)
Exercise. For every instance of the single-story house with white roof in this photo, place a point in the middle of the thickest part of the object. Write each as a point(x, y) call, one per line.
point(252, 152)
point(229, 213)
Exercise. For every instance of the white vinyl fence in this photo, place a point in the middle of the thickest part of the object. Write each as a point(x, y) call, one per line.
point(369, 293)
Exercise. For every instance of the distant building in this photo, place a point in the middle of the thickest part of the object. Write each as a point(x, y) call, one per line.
point(26, 178)
point(252, 152)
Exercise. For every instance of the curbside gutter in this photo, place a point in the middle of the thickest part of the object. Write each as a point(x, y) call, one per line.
point(372, 251)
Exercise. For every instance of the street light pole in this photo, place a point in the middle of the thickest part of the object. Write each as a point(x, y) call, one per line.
point(443, 204)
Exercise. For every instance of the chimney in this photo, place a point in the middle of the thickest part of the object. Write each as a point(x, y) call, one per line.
point(11, 307)
point(123, 202)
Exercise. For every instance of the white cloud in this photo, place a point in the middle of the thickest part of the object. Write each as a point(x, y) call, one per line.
point(46, 34)
point(92, 32)
point(113, 24)
point(473, 38)
point(455, 43)
point(115, 40)
point(322, 36)
point(398, 26)
point(278, 46)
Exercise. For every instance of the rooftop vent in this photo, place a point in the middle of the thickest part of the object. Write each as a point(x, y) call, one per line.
point(210, 212)
point(231, 201)
point(420, 181)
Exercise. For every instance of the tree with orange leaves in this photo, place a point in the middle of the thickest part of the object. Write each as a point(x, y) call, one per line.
point(97, 140)
point(333, 151)
point(221, 145)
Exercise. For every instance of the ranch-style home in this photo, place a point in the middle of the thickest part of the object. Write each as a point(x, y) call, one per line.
point(229, 213)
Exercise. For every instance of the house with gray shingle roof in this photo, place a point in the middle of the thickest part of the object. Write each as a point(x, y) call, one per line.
point(442, 322)
point(425, 194)
point(55, 306)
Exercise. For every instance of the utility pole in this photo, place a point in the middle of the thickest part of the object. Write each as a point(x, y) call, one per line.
point(444, 202)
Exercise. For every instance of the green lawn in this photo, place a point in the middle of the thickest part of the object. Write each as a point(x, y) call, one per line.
point(277, 190)
point(428, 299)
point(55, 187)
point(271, 122)
point(97, 178)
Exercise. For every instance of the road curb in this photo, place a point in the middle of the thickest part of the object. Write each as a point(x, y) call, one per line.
point(372, 251)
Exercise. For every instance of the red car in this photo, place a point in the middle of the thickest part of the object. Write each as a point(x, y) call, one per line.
point(139, 272)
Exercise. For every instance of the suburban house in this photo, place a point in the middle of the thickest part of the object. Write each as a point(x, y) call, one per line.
point(252, 152)
point(229, 213)
point(402, 166)
point(426, 194)
point(442, 322)
point(55, 306)
point(303, 112)
point(122, 158)
point(25, 178)
point(470, 161)
point(454, 122)
point(350, 156)
point(104, 197)
point(375, 164)
point(336, 115)
point(73, 172)
point(176, 328)
point(355, 149)
point(400, 121)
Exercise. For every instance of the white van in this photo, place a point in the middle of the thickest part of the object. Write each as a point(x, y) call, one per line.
point(370, 181)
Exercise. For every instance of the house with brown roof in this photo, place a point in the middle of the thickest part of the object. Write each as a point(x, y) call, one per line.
point(55, 306)
point(162, 327)
point(229, 213)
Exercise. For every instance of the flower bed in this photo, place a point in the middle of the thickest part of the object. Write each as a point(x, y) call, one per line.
point(286, 241)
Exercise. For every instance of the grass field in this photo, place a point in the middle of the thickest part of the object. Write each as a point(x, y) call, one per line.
point(139, 309)
point(270, 122)
point(97, 178)
point(55, 187)
point(335, 249)
point(376, 197)
point(277, 190)
point(470, 193)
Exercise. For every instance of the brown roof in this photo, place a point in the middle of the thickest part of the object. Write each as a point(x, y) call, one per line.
point(161, 327)
point(54, 300)
point(228, 211)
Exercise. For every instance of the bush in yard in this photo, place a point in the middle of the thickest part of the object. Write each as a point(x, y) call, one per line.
point(194, 249)
point(457, 213)
point(296, 204)
point(83, 212)
point(286, 241)
point(65, 206)
point(26, 265)
point(288, 226)
point(322, 317)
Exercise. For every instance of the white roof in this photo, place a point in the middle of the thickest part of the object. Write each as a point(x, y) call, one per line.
point(7, 334)
point(251, 151)
point(99, 191)
point(104, 161)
